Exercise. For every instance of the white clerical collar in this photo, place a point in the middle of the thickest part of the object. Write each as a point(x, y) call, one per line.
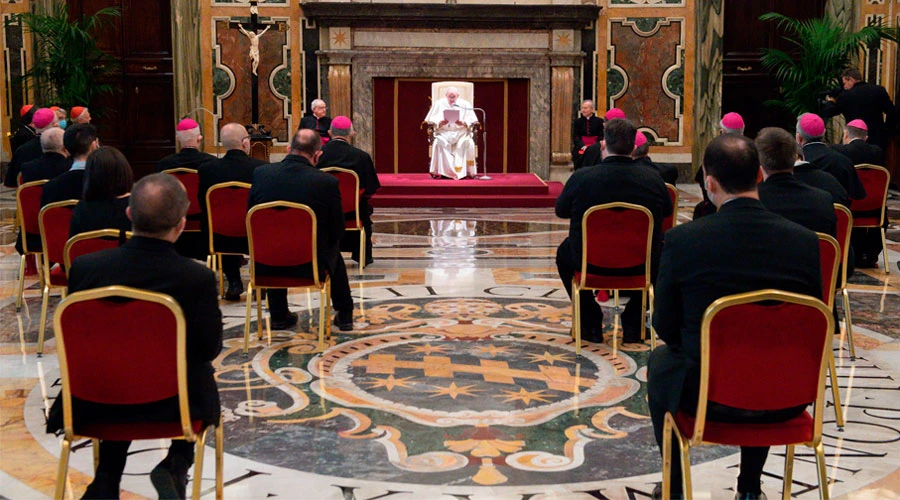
point(78, 165)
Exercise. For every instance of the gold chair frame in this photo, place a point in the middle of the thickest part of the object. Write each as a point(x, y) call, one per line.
point(90, 235)
point(673, 191)
point(842, 284)
point(324, 287)
point(579, 286)
point(45, 270)
point(700, 419)
point(359, 225)
point(828, 292)
point(881, 219)
point(181, 352)
point(20, 223)
point(214, 259)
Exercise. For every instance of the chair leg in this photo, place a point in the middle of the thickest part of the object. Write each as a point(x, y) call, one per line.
point(198, 464)
point(95, 448)
point(247, 321)
point(788, 472)
point(63, 469)
point(220, 459)
point(820, 469)
point(652, 330)
point(20, 291)
point(259, 320)
point(686, 470)
point(45, 297)
point(836, 393)
point(887, 267)
point(616, 299)
point(362, 249)
point(576, 317)
point(643, 315)
point(667, 459)
point(323, 318)
point(221, 274)
point(848, 323)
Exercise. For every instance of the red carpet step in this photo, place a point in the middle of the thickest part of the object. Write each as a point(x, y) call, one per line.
point(502, 191)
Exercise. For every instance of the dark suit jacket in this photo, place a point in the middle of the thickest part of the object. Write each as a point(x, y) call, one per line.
point(295, 179)
point(836, 164)
point(24, 134)
point(340, 153)
point(812, 175)
point(186, 158)
point(810, 207)
point(91, 215)
point(582, 126)
point(618, 178)
point(860, 151)
point(235, 166)
point(668, 172)
point(743, 247)
point(320, 125)
point(31, 150)
point(153, 264)
point(48, 166)
point(870, 103)
point(68, 186)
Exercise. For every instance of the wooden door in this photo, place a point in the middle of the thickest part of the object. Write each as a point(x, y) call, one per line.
point(745, 83)
point(139, 118)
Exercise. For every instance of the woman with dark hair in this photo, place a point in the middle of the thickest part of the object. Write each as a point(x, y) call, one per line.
point(107, 189)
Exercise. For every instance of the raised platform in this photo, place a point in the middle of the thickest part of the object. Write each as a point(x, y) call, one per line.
point(502, 191)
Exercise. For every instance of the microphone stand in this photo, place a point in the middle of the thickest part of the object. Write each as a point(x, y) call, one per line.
point(484, 177)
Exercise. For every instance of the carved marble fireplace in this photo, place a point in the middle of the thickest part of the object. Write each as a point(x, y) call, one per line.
point(541, 43)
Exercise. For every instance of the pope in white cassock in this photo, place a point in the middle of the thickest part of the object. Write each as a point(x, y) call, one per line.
point(453, 153)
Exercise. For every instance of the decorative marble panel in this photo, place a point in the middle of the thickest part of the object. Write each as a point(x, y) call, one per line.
point(14, 62)
point(646, 3)
point(563, 40)
point(648, 78)
point(710, 23)
point(232, 75)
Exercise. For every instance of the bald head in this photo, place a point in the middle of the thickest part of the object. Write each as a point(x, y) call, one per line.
point(232, 136)
point(306, 143)
point(158, 205)
point(52, 141)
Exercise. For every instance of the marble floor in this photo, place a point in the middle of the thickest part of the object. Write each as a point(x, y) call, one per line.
point(459, 381)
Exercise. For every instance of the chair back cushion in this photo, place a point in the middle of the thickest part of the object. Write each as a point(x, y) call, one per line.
point(120, 350)
point(765, 353)
point(669, 221)
point(348, 184)
point(54, 221)
point(830, 257)
point(466, 90)
point(28, 208)
point(617, 236)
point(90, 242)
point(191, 181)
point(282, 234)
point(226, 206)
point(844, 226)
point(869, 210)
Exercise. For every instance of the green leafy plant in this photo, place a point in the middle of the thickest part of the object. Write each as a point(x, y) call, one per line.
point(823, 49)
point(68, 68)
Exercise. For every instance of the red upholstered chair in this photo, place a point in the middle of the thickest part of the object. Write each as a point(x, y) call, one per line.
point(830, 257)
point(613, 236)
point(670, 221)
point(763, 350)
point(191, 181)
point(348, 183)
point(226, 212)
point(90, 242)
point(146, 363)
point(283, 234)
point(844, 226)
point(870, 212)
point(53, 220)
point(28, 207)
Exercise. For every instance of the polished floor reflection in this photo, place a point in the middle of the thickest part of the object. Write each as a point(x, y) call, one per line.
point(459, 380)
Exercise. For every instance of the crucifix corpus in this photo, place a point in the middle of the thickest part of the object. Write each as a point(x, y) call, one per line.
point(260, 137)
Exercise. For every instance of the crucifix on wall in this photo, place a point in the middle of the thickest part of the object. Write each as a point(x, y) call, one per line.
point(260, 136)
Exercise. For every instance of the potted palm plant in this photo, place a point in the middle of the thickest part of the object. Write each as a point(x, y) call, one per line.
point(68, 67)
point(823, 49)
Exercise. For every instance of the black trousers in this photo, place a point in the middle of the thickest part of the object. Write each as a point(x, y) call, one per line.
point(231, 267)
point(111, 464)
point(591, 312)
point(753, 459)
point(341, 299)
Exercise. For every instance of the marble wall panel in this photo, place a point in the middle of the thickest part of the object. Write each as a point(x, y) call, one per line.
point(646, 52)
point(15, 48)
point(707, 105)
point(233, 59)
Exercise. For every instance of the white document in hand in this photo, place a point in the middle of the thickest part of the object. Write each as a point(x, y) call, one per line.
point(451, 115)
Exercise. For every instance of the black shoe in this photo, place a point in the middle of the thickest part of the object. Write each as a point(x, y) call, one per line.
point(866, 261)
point(169, 480)
point(101, 488)
point(657, 494)
point(235, 289)
point(285, 322)
point(344, 320)
point(592, 334)
point(750, 496)
point(632, 338)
